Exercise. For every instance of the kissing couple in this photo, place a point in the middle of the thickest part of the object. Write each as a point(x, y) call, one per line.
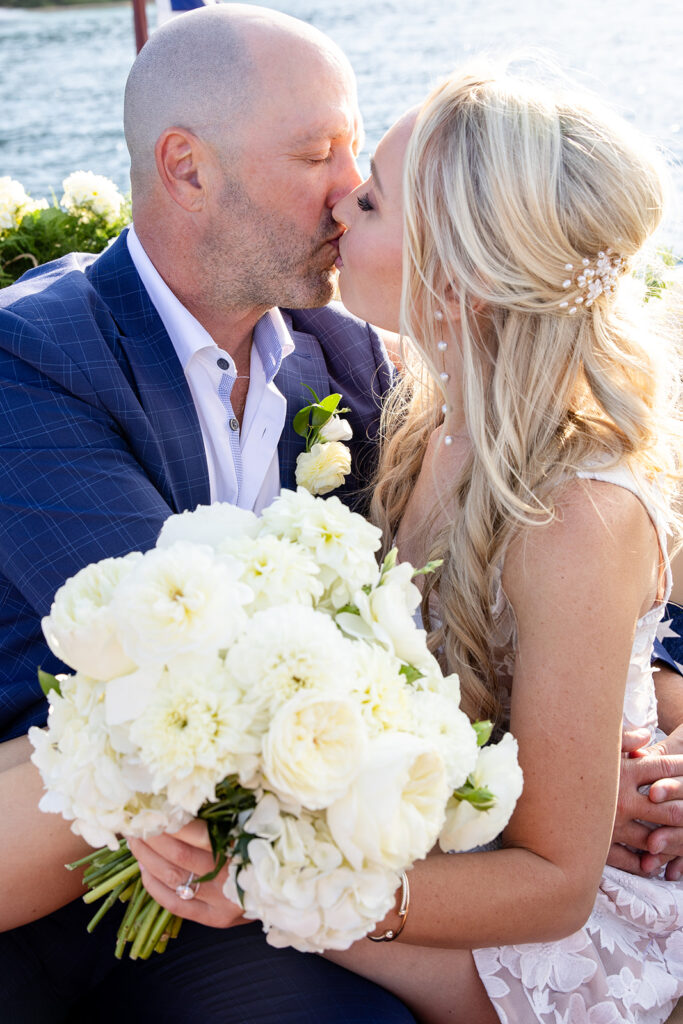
point(530, 441)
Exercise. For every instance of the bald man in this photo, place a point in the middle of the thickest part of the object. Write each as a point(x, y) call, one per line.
point(162, 375)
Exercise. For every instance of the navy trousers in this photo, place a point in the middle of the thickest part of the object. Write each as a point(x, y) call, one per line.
point(53, 972)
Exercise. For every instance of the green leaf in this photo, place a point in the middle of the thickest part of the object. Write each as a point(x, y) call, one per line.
point(309, 388)
point(481, 798)
point(330, 403)
point(352, 609)
point(320, 416)
point(429, 567)
point(411, 673)
point(48, 682)
point(300, 423)
point(483, 731)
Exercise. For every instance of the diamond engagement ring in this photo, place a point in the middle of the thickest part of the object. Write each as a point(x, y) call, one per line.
point(187, 891)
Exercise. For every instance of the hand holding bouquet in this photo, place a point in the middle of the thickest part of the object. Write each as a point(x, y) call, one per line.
point(267, 676)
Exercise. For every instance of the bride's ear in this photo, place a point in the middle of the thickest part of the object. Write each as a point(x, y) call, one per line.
point(453, 305)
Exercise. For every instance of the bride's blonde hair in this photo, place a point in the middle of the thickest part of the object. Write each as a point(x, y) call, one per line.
point(507, 183)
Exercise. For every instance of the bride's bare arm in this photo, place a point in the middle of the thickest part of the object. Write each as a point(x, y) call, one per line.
point(577, 588)
point(34, 847)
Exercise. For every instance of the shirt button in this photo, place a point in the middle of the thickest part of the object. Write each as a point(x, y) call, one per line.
point(222, 364)
point(234, 423)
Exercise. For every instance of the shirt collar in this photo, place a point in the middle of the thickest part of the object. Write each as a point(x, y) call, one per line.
point(272, 340)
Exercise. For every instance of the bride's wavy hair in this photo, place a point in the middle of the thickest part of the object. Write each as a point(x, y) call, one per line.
point(506, 183)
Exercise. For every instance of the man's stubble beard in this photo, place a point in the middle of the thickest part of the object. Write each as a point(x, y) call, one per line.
point(257, 262)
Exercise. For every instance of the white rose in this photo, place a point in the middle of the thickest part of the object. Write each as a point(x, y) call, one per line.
point(179, 600)
point(336, 429)
point(209, 524)
point(386, 617)
point(394, 809)
point(81, 629)
point(498, 770)
point(324, 468)
point(342, 543)
point(313, 748)
point(305, 894)
point(88, 193)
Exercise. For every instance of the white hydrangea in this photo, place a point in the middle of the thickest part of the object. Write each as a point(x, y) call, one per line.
point(341, 542)
point(15, 203)
point(304, 892)
point(209, 524)
point(498, 770)
point(178, 600)
point(394, 810)
point(313, 749)
point(84, 776)
point(81, 629)
point(86, 193)
point(324, 468)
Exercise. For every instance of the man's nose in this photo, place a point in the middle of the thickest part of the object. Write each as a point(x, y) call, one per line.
point(348, 178)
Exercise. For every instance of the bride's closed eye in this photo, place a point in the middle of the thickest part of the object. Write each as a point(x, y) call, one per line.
point(364, 203)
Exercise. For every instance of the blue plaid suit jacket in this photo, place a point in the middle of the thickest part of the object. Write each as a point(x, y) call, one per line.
point(100, 440)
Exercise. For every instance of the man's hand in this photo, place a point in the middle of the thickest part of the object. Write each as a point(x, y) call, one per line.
point(659, 766)
point(166, 862)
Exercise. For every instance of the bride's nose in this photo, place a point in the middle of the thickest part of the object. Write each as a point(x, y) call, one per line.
point(341, 210)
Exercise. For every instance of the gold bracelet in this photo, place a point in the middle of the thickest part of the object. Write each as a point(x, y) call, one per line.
point(390, 934)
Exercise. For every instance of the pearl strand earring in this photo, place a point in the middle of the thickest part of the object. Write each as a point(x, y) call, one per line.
point(443, 376)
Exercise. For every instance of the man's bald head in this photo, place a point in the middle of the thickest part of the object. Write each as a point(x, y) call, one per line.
point(205, 71)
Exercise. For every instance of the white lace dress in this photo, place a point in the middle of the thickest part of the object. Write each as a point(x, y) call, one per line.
point(626, 963)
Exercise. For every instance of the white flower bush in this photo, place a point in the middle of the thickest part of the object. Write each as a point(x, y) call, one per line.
point(15, 203)
point(270, 670)
point(87, 193)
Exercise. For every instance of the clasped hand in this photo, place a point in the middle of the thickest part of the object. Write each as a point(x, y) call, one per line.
point(166, 862)
point(660, 767)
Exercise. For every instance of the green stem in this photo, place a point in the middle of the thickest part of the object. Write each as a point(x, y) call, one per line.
point(140, 895)
point(146, 920)
point(155, 933)
point(108, 903)
point(111, 883)
point(93, 876)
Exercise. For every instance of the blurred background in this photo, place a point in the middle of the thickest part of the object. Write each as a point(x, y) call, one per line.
point(63, 69)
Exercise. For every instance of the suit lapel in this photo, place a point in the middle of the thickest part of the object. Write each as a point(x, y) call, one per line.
point(305, 365)
point(157, 377)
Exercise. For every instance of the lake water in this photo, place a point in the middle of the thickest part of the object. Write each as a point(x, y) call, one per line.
point(62, 72)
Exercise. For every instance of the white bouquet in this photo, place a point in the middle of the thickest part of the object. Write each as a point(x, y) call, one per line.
point(268, 676)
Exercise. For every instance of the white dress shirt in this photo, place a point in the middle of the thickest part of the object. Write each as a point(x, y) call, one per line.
point(243, 464)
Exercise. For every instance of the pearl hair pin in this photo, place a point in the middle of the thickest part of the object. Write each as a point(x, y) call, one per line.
point(593, 278)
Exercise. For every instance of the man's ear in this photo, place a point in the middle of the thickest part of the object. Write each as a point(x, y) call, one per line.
point(179, 156)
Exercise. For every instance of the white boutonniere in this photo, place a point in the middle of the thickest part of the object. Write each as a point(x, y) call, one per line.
point(327, 461)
